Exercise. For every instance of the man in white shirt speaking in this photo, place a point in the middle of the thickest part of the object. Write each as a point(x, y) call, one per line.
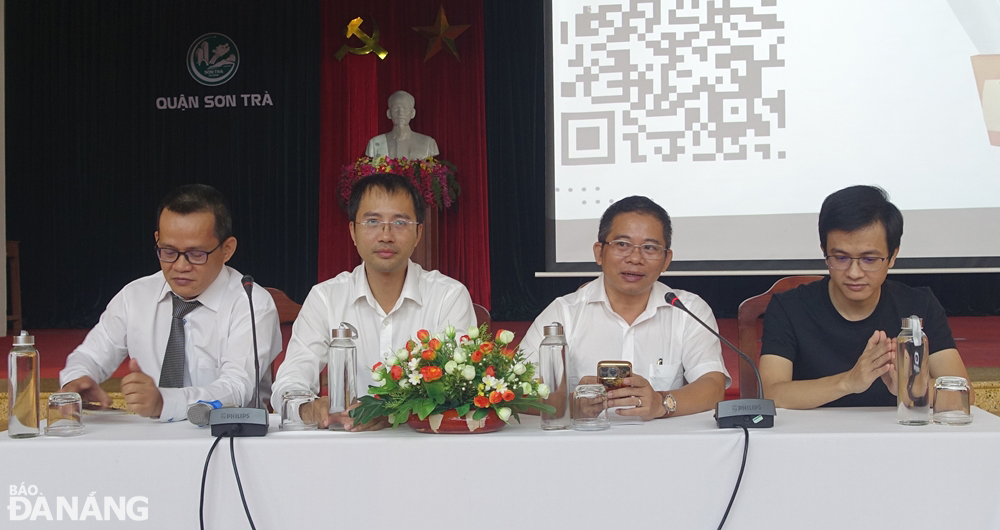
point(186, 329)
point(388, 298)
point(622, 315)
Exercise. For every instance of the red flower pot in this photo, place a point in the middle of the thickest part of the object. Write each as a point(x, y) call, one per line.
point(449, 422)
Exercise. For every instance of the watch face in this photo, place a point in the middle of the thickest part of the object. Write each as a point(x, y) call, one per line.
point(670, 403)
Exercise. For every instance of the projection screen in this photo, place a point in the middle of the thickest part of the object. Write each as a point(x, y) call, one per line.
point(739, 117)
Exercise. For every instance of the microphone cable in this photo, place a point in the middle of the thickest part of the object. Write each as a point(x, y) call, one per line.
point(236, 471)
point(743, 465)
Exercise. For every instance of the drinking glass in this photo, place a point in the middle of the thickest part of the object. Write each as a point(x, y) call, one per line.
point(951, 401)
point(590, 408)
point(290, 418)
point(65, 414)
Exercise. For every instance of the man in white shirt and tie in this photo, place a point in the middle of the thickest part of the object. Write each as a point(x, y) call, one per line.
point(622, 315)
point(187, 328)
point(388, 298)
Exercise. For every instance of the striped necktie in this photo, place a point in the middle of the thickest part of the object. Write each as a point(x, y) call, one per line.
point(172, 373)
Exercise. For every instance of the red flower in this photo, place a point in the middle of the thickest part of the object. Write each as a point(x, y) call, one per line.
point(423, 335)
point(477, 356)
point(396, 373)
point(490, 371)
point(431, 373)
point(487, 347)
point(410, 345)
point(481, 402)
point(496, 397)
point(507, 352)
point(434, 344)
point(428, 355)
point(498, 332)
point(376, 367)
point(508, 395)
point(463, 338)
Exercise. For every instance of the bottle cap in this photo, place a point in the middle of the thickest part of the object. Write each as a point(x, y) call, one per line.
point(24, 339)
point(345, 331)
point(554, 328)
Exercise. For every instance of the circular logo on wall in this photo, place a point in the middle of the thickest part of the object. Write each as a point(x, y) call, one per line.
point(213, 59)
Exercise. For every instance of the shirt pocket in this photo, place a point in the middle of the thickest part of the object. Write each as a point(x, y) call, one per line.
point(206, 372)
point(666, 376)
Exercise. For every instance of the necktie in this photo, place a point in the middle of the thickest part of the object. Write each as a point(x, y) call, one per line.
point(172, 373)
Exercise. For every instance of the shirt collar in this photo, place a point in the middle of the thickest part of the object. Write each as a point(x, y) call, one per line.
point(598, 294)
point(212, 297)
point(410, 288)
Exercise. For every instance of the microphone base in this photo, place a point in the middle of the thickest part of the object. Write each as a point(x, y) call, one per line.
point(238, 422)
point(749, 413)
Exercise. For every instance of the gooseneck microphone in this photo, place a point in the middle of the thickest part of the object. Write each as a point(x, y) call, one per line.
point(750, 413)
point(243, 421)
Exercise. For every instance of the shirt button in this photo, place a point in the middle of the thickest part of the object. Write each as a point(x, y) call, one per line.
point(385, 323)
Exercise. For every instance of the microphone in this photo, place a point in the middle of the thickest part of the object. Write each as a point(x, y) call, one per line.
point(198, 413)
point(749, 413)
point(243, 421)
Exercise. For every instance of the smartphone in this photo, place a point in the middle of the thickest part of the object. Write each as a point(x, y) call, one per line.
point(613, 373)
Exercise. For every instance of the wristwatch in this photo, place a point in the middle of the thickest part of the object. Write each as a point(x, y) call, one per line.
point(669, 403)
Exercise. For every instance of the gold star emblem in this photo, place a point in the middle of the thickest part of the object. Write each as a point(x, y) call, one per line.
point(440, 33)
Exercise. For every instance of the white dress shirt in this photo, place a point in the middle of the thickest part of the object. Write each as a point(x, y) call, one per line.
point(429, 300)
point(664, 345)
point(218, 341)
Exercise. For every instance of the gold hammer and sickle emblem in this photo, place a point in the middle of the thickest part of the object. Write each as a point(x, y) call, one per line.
point(370, 43)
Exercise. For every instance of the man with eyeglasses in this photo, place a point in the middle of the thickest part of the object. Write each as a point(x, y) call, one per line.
point(677, 364)
point(186, 329)
point(832, 342)
point(387, 298)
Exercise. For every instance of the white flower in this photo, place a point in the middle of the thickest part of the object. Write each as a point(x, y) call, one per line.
point(415, 378)
point(543, 390)
point(378, 376)
point(414, 362)
point(526, 389)
point(391, 418)
point(403, 384)
point(391, 360)
point(402, 354)
point(506, 336)
point(473, 333)
point(504, 413)
point(460, 356)
point(519, 368)
point(450, 366)
point(468, 372)
point(489, 381)
point(450, 332)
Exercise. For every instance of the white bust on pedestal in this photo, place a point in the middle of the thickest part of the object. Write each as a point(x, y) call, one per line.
point(402, 141)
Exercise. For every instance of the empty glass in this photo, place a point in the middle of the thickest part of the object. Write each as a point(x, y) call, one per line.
point(65, 414)
point(590, 408)
point(290, 418)
point(951, 401)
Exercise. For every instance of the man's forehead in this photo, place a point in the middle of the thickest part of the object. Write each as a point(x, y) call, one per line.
point(868, 239)
point(377, 201)
point(637, 225)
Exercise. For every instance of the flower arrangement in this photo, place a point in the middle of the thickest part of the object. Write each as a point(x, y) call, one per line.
point(434, 179)
point(473, 372)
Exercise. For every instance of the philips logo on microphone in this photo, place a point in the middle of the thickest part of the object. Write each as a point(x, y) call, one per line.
point(746, 408)
point(235, 415)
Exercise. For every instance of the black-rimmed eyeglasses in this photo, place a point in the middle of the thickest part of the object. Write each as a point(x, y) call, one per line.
point(623, 248)
point(867, 263)
point(194, 257)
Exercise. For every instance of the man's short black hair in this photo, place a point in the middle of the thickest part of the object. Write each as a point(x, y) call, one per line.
point(857, 207)
point(198, 198)
point(390, 184)
point(636, 204)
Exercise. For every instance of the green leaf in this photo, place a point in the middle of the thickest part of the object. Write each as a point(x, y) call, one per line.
point(435, 391)
point(463, 410)
point(480, 414)
point(423, 407)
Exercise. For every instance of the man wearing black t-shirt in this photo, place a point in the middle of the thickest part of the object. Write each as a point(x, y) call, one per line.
point(832, 342)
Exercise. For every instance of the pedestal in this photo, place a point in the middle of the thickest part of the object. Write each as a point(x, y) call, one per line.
point(428, 251)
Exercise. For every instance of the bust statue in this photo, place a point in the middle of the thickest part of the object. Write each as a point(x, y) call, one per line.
point(402, 141)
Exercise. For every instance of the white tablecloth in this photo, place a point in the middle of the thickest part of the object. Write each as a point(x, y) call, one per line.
point(830, 468)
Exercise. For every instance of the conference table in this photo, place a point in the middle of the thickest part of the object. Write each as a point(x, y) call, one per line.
point(828, 468)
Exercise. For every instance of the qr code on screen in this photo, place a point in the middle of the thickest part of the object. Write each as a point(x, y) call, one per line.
point(675, 80)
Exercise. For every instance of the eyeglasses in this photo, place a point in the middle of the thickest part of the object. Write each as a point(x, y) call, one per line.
point(622, 248)
point(842, 263)
point(194, 257)
point(399, 225)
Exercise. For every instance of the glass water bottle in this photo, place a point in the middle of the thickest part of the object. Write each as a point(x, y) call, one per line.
point(343, 372)
point(913, 374)
point(22, 381)
point(552, 370)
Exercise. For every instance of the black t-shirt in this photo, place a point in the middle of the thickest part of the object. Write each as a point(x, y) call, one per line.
point(802, 326)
